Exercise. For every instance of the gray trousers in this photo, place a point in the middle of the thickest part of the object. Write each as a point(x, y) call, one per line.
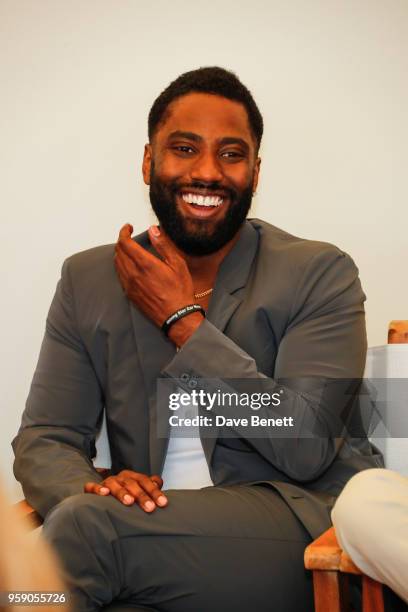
point(217, 549)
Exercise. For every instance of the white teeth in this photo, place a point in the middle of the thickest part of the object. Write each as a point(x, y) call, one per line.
point(193, 198)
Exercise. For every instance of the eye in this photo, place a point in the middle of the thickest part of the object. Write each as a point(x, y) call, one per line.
point(184, 149)
point(232, 155)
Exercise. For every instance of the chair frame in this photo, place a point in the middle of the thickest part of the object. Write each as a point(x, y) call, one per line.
point(331, 566)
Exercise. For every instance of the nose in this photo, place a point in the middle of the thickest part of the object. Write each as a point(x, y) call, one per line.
point(206, 168)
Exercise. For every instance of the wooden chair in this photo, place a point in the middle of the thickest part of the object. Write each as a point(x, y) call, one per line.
point(24, 509)
point(398, 332)
point(330, 564)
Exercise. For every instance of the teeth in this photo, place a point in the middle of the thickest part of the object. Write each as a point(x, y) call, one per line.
point(193, 198)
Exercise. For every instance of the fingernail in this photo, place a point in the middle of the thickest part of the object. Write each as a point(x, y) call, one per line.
point(161, 501)
point(104, 490)
point(155, 230)
point(128, 499)
point(149, 506)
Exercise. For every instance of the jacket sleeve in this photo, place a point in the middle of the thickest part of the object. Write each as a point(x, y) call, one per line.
point(56, 441)
point(324, 343)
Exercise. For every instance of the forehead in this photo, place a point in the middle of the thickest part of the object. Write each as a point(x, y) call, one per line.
point(210, 116)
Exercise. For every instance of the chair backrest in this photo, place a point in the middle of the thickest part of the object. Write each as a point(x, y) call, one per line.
point(384, 364)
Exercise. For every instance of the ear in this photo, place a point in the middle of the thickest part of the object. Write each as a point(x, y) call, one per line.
point(147, 163)
point(256, 174)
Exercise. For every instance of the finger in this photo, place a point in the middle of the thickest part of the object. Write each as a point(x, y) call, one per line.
point(126, 262)
point(125, 231)
point(96, 488)
point(165, 247)
point(141, 496)
point(129, 246)
point(129, 275)
point(139, 256)
point(119, 491)
point(144, 488)
point(150, 488)
point(138, 475)
point(122, 270)
point(157, 479)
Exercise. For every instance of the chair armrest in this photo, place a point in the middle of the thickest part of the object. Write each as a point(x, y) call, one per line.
point(30, 515)
point(34, 519)
point(398, 332)
point(325, 553)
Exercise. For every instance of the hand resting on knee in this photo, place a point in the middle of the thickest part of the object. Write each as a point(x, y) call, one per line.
point(131, 487)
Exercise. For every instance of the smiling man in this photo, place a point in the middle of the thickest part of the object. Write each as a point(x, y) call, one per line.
point(210, 199)
point(196, 523)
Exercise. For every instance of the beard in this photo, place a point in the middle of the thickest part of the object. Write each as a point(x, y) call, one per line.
point(198, 236)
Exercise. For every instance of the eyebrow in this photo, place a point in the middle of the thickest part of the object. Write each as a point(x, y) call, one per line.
point(197, 138)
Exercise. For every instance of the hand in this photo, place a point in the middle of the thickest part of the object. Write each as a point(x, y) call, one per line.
point(158, 288)
point(130, 487)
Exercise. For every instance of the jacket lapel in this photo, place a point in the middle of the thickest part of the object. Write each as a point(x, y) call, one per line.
point(228, 294)
point(155, 350)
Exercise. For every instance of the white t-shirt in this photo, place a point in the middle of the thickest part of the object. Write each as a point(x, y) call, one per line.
point(185, 466)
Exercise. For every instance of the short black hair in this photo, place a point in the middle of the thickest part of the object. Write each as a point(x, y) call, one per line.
point(211, 80)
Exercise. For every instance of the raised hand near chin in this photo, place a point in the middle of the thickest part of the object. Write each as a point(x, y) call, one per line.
point(158, 288)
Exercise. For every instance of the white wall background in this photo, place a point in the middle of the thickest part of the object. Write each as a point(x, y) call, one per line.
point(77, 82)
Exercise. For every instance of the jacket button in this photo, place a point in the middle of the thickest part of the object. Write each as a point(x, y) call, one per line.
point(184, 377)
point(192, 383)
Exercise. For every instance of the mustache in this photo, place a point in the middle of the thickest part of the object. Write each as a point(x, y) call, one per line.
point(210, 186)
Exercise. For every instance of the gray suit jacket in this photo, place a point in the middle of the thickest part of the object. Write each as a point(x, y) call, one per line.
point(283, 309)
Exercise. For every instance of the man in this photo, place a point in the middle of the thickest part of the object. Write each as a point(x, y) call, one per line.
point(283, 311)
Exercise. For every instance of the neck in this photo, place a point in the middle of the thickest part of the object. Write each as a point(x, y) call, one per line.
point(204, 268)
point(202, 265)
